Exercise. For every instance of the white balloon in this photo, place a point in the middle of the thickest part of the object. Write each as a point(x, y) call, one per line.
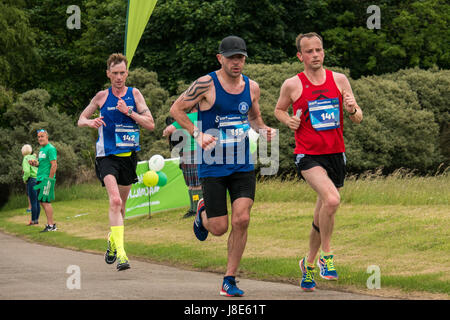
point(156, 162)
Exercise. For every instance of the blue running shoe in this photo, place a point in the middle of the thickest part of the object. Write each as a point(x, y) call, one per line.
point(230, 289)
point(307, 284)
point(327, 269)
point(199, 230)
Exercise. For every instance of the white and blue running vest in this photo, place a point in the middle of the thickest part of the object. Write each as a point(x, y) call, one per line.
point(121, 133)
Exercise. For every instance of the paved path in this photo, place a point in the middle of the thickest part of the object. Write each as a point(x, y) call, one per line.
point(34, 271)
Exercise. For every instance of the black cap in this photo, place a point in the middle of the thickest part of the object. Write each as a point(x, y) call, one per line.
point(232, 45)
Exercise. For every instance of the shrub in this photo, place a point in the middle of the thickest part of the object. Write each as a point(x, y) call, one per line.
point(27, 114)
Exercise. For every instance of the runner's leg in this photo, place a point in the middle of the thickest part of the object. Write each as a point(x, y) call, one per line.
point(329, 196)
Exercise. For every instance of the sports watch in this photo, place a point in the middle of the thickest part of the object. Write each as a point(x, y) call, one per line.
point(195, 133)
point(130, 111)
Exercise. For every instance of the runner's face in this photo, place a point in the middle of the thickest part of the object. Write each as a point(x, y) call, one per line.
point(42, 138)
point(117, 73)
point(312, 54)
point(232, 65)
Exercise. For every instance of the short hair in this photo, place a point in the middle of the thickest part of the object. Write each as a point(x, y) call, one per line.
point(306, 35)
point(26, 150)
point(116, 58)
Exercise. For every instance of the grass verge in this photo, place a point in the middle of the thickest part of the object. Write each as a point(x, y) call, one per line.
point(398, 223)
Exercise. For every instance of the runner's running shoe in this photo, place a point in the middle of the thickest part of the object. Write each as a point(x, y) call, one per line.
point(199, 230)
point(122, 263)
point(50, 228)
point(307, 284)
point(111, 252)
point(230, 289)
point(327, 269)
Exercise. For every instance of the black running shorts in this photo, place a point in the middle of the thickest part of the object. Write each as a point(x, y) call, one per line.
point(333, 163)
point(238, 184)
point(122, 168)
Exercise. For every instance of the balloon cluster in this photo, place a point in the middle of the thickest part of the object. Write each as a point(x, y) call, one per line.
point(155, 177)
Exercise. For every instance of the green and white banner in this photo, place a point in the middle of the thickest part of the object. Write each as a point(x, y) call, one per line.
point(148, 200)
point(138, 14)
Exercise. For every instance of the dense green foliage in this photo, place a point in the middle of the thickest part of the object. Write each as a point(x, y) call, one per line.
point(18, 52)
point(399, 72)
point(182, 38)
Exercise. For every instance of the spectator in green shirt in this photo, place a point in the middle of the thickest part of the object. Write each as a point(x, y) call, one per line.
point(46, 174)
point(29, 178)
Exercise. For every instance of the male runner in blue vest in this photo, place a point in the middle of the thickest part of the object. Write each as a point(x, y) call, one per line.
point(122, 111)
point(229, 105)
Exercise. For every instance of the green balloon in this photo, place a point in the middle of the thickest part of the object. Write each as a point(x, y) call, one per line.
point(162, 179)
point(253, 146)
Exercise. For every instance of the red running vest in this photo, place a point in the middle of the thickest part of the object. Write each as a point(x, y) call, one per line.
point(307, 139)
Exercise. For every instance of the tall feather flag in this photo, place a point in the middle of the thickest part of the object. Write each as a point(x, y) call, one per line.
point(138, 14)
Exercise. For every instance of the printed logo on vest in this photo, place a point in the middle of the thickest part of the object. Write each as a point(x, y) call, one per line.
point(243, 107)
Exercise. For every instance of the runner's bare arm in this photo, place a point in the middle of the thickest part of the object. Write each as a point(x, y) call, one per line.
point(284, 102)
point(199, 92)
point(143, 116)
point(254, 114)
point(350, 105)
point(84, 119)
point(196, 92)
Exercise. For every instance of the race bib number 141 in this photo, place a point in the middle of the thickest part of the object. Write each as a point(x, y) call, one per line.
point(324, 114)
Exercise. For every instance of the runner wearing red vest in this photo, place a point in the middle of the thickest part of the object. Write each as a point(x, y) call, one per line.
point(319, 98)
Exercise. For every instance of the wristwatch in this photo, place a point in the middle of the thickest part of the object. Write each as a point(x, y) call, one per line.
point(195, 133)
point(130, 111)
point(356, 110)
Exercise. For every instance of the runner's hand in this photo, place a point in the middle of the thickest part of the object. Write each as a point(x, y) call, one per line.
point(206, 141)
point(268, 133)
point(349, 101)
point(294, 121)
point(122, 106)
point(97, 123)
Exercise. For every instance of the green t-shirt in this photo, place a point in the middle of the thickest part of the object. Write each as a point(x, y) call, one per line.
point(29, 171)
point(191, 144)
point(46, 154)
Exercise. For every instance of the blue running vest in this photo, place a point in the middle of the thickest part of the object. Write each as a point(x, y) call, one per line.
point(121, 133)
point(228, 120)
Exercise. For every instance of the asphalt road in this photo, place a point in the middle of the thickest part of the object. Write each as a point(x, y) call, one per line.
point(30, 271)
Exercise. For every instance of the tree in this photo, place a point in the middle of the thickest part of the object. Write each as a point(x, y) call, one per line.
point(18, 55)
point(65, 69)
point(413, 33)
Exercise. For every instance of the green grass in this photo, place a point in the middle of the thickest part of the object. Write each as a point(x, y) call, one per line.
point(399, 223)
